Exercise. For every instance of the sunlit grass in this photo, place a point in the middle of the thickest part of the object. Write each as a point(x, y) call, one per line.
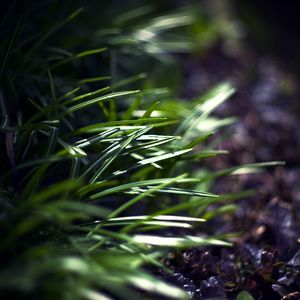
point(84, 162)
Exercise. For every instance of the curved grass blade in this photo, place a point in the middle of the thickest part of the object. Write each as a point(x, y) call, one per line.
point(99, 99)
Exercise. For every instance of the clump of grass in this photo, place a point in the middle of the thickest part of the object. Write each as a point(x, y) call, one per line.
point(95, 182)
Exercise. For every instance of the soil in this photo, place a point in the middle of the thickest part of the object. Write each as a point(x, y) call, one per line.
point(265, 258)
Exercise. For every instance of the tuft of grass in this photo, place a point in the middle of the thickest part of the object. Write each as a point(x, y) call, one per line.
point(95, 181)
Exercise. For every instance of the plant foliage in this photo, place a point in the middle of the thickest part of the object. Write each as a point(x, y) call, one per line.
point(96, 182)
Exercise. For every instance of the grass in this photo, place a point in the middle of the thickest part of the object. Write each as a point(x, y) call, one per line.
point(96, 182)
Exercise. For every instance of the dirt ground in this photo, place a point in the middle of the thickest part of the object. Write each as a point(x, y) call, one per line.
point(265, 258)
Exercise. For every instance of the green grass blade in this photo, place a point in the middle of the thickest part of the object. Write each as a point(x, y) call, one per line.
point(99, 99)
point(128, 186)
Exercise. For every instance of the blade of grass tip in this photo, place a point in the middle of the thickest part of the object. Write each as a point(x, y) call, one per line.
point(215, 96)
point(169, 21)
point(208, 241)
point(149, 111)
point(94, 79)
point(99, 99)
point(199, 140)
point(223, 210)
point(69, 94)
point(59, 51)
point(209, 102)
point(77, 56)
point(237, 195)
point(51, 122)
point(74, 151)
point(90, 52)
point(205, 154)
point(86, 95)
point(255, 167)
point(153, 285)
point(248, 167)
